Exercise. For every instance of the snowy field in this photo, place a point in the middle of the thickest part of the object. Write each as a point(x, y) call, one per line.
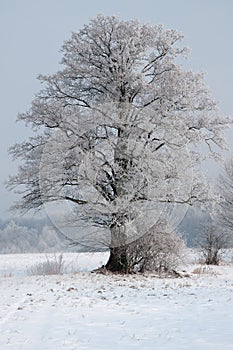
point(83, 310)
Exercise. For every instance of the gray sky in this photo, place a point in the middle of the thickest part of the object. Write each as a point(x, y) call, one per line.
point(33, 31)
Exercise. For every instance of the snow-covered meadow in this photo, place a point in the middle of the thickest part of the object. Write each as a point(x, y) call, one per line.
point(84, 310)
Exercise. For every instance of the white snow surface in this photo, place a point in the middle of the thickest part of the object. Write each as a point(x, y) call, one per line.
point(84, 310)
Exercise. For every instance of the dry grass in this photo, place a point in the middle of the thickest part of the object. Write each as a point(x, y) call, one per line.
point(204, 270)
point(48, 267)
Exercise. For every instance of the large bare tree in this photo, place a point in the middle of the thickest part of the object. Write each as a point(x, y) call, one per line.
point(113, 128)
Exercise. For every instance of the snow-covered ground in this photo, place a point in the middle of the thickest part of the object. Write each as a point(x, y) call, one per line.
point(83, 310)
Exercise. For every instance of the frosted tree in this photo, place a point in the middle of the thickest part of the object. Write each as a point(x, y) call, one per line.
point(113, 128)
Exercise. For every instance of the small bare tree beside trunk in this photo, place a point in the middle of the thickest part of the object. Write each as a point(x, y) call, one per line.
point(214, 240)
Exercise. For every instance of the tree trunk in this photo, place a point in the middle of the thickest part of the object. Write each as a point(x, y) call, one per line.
point(118, 260)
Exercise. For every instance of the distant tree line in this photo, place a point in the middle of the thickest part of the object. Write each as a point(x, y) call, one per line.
point(29, 236)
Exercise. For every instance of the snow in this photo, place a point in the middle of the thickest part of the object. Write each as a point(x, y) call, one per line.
point(84, 310)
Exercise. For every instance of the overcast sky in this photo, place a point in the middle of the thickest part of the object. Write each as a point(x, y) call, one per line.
point(33, 31)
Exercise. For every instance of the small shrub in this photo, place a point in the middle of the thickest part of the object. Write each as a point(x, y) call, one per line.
point(161, 251)
point(48, 267)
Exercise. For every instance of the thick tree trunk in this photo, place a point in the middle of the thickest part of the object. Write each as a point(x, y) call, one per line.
point(118, 260)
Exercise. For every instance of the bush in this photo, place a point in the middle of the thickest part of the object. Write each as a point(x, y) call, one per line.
point(48, 267)
point(161, 251)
